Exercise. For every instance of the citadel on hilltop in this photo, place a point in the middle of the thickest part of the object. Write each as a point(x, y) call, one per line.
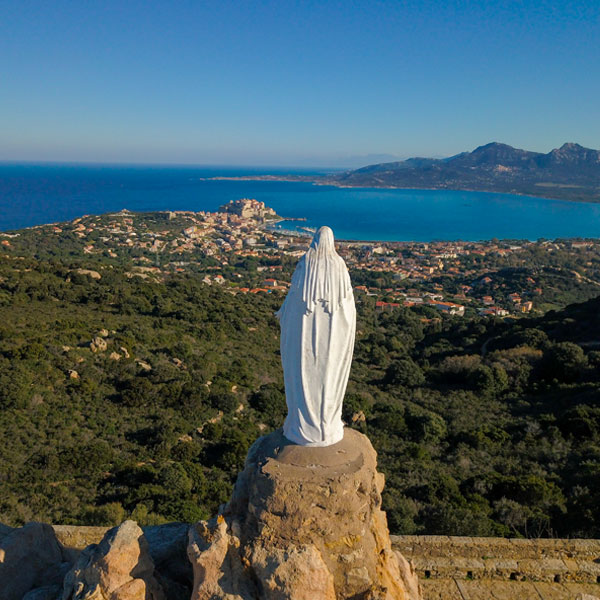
point(248, 208)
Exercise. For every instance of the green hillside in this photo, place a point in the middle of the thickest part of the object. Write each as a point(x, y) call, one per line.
point(129, 396)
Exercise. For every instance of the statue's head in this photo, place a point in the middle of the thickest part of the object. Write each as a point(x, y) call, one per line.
point(323, 241)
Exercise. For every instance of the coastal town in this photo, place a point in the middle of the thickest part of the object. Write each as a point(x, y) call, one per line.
point(243, 248)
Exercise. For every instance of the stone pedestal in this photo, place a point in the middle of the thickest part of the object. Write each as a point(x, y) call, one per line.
point(303, 524)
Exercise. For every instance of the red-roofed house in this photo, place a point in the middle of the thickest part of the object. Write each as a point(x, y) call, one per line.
point(381, 306)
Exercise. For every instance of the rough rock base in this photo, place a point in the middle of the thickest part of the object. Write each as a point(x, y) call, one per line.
point(303, 524)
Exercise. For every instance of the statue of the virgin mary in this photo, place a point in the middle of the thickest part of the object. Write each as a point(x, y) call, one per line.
point(318, 322)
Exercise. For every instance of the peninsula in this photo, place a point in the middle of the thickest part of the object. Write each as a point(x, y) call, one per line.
point(570, 172)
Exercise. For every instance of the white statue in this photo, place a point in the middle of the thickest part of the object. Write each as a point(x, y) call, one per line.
point(318, 322)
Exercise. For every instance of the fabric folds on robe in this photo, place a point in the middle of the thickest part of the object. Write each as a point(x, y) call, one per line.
point(318, 324)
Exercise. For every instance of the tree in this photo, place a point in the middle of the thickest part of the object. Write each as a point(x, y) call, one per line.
point(269, 400)
point(563, 361)
point(404, 371)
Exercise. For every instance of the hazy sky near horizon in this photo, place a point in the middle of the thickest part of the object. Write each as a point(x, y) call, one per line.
point(294, 83)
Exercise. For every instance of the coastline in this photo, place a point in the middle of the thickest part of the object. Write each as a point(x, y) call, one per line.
point(353, 241)
point(357, 214)
point(334, 184)
point(270, 226)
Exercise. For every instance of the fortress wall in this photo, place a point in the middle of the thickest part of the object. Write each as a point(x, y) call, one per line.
point(465, 568)
point(550, 560)
point(79, 536)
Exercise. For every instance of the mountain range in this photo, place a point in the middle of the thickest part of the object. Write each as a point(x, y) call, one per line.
point(570, 172)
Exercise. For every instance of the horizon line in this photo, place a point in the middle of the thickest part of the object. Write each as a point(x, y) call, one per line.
point(84, 163)
point(167, 164)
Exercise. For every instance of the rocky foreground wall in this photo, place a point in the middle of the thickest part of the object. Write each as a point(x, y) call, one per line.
point(449, 568)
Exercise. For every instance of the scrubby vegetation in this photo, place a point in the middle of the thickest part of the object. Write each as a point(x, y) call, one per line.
point(124, 396)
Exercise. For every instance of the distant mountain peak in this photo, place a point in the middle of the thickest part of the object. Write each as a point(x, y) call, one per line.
point(493, 145)
point(569, 172)
point(571, 146)
point(491, 155)
point(571, 152)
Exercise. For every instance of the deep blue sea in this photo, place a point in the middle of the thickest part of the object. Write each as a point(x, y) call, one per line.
point(37, 194)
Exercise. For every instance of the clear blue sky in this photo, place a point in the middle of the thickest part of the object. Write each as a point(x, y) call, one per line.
point(296, 83)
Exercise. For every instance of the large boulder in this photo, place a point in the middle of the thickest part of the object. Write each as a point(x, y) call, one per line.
point(303, 523)
point(30, 557)
point(118, 568)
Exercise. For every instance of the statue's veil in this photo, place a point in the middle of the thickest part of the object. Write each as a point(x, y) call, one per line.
point(322, 275)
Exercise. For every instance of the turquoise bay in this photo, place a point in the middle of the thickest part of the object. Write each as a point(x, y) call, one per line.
point(37, 194)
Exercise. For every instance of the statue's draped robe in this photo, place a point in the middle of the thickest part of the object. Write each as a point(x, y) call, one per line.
point(318, 323)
